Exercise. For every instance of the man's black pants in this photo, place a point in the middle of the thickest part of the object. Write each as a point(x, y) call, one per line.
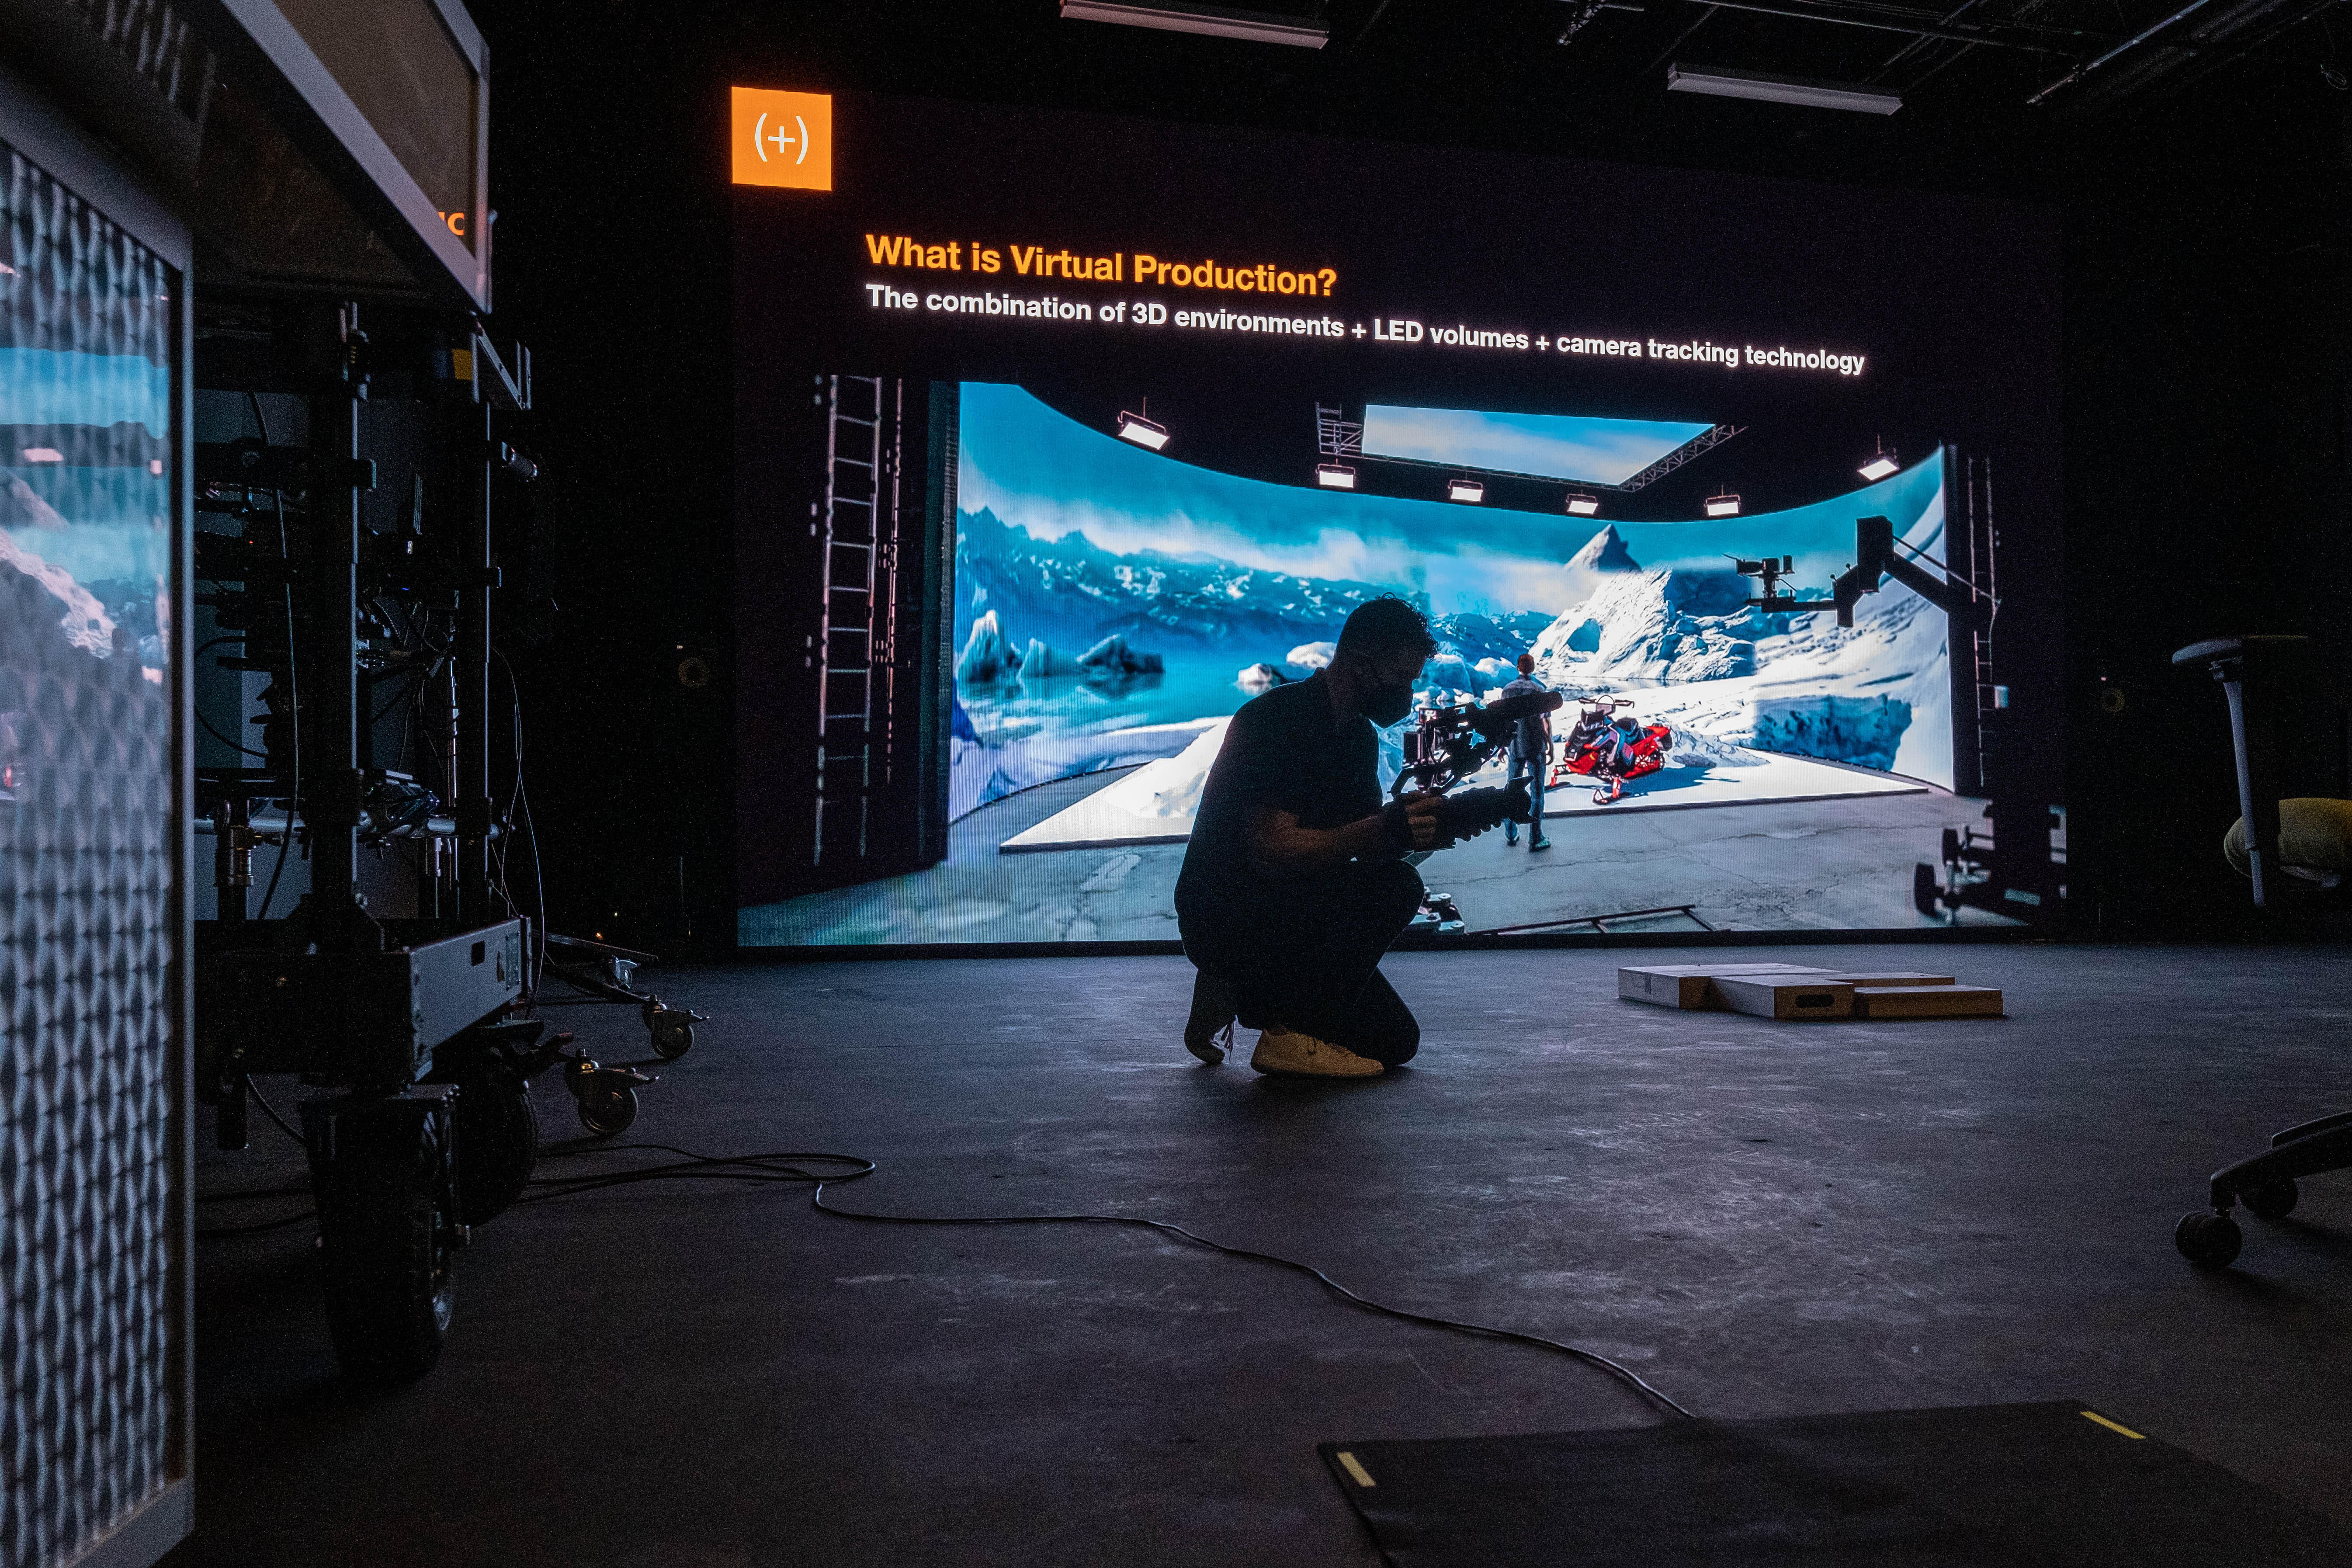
point(1311, 963)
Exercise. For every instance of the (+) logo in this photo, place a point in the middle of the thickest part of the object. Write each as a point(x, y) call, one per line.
point(782, 138)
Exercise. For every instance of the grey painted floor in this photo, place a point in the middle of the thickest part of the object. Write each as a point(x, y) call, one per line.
point(1822, 865)
point(1762, 1218)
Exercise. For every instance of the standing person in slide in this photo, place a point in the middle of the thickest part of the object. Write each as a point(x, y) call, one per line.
point(1530, 756)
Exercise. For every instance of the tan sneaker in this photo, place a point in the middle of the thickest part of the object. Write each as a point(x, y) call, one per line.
point(1209, 1032)
point(1303, 1056)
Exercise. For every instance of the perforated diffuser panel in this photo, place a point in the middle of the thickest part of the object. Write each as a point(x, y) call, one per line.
point(86, 861)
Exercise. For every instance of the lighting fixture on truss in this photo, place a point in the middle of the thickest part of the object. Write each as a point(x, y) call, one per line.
point(1879, 467)
point(1215, 21)
point(1134, 428)
point(1470, 492)
point(1583, 505)
point(1723, 504)
point(1718, 81)
point(1335, 476)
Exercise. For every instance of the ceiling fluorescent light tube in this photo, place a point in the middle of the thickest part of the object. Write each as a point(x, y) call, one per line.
point(1134, 428)
point(1469, 491)
point(1720, 82)
point(1335, 476)
point(1215, 21)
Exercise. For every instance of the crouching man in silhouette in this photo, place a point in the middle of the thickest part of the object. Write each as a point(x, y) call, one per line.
point(1294, 884)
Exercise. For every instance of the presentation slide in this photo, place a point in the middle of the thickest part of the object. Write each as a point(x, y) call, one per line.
point(1059, 438)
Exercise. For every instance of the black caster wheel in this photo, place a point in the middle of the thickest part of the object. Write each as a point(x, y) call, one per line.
point(673, 1035)
point(498, 1139)
point(387, 1230)
point(2272, 1199)
point(2209, 1240)
point(1927, 888)
point(608, 1109)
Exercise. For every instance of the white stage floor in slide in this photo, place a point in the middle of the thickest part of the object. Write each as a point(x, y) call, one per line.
point(1154, 804)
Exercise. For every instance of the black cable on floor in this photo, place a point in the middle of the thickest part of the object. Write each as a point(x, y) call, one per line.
point(763, 1168)
point(755, 1168)
point(1592, 1358)
point(271, 1111)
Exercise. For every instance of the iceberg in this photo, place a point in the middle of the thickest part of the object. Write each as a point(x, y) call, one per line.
point(987, 658)
point(1449, 672)
point(1257, 677)
point(1041, 661)
point(1113, 657)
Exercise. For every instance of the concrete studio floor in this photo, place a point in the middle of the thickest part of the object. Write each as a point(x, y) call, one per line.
point(1762, 1218)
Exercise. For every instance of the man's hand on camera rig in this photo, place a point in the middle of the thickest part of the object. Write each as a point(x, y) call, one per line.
point(1450, 744)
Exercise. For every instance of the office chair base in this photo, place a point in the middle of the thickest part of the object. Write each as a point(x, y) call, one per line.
point(2266, 1185)
point(2207, 1239)
point(2271, 1199)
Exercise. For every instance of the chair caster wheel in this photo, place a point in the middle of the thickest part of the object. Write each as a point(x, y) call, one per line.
point(607, 1109)
point(672, 1036)
point(2271, 1200)
point(2207, 1239)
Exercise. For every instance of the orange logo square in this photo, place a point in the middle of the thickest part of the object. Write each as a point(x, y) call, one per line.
point(782, 138)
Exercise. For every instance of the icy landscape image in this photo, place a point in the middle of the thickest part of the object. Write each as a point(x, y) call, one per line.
point(1114, 607)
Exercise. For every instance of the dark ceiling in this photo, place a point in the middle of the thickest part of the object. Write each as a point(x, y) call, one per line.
point(1987, 84)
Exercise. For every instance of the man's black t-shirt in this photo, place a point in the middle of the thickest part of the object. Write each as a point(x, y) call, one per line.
point(1283, 750)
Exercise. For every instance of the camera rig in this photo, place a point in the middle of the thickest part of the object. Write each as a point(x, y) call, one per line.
point(1452, 744)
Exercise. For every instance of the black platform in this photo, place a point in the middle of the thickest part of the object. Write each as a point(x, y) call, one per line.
point(1991, 1486)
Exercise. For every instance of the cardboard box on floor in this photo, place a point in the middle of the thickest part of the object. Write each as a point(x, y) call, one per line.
point(1927, 1001)
point(1785, 995)
point(1689, 987)
point(1802, 991)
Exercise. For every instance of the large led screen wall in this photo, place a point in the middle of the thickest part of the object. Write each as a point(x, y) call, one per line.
point(1060, 438)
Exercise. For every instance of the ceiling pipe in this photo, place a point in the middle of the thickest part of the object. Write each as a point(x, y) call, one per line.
point(2213, 44)
point(2059, 36)
point(2134, 41)
point(1955, 13)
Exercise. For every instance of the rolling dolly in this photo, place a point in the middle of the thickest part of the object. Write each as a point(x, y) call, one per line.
point(601, 971)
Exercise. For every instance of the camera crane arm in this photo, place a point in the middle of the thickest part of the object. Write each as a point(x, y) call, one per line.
point(1875, 560)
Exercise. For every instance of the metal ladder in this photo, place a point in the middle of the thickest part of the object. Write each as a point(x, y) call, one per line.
point(1982, 539)
point(860, 619)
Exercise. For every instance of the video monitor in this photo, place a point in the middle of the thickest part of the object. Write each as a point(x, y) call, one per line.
point(1061, 437)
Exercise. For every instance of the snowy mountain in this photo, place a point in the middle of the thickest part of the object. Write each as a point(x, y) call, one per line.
point(1657, 626)
point(1476, 638)
point(1605, 551)
point(1603, 556)
point(1071, 591)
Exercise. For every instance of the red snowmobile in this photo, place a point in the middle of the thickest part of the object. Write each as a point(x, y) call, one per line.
point(1610, 748)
